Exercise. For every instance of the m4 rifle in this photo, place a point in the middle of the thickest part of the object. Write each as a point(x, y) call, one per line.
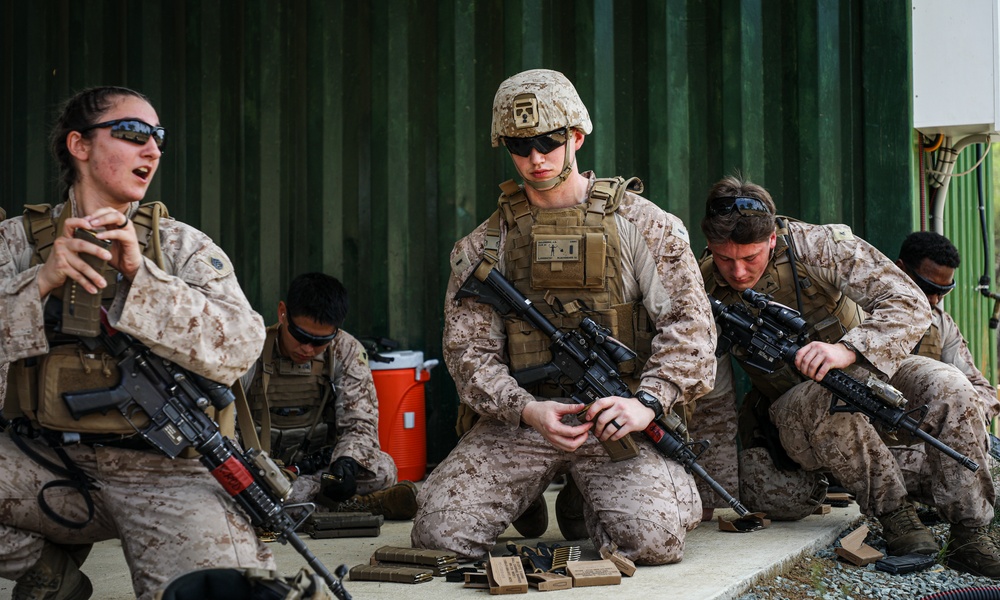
point(585, 364)
point(175, 400)
point(775, 335)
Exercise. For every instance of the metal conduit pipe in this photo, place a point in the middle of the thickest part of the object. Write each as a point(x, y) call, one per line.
point(941, 195)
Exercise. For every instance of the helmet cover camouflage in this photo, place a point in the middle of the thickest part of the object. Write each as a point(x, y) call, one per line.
point(535, 102)
point(782, 495)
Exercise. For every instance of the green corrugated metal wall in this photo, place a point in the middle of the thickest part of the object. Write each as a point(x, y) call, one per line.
point(352, 137)
point(971, 309)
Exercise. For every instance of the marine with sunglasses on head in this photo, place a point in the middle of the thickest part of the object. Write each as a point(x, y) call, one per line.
point(314, 406)
point(171, 288)
point(864, 315)
point(577, 246)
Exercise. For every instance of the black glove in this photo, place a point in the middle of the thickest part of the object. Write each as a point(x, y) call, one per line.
point(340, 482)
point(314, 462)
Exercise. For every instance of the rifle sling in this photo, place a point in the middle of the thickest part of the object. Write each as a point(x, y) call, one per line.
point(76, 479)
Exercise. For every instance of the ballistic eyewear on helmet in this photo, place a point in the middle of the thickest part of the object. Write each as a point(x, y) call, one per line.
point(746, 207)
point(133, 130)
point(544, 143)
point(304, 337)
point(929, 287)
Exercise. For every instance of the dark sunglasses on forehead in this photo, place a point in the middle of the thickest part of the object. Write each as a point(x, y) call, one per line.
point(304, 337)
point(927, 286)
point(545, 143)
point(746, 207)
point(133, 130)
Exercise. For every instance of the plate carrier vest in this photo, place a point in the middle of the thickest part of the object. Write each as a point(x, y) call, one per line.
point(292, 405)
point(36, 383)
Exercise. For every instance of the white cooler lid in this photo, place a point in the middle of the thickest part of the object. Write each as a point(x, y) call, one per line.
point(403, 359)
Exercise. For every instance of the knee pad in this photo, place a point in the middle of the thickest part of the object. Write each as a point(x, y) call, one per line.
point(646, 542)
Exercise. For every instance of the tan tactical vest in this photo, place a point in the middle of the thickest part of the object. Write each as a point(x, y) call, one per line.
point(568, 260)
point(829, 318)
point(36, 384)
point(293, 405)
point(931, 345)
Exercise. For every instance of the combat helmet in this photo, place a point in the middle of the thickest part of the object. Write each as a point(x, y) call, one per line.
point(536, 102)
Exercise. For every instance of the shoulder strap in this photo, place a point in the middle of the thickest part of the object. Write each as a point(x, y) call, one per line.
point(265, 375)
point(42, 230)
point(785, 235)
point(707, 265)
point(146, 221)
point(606, 196)
point(248, 431)
point(514, 205)
point(491, 250)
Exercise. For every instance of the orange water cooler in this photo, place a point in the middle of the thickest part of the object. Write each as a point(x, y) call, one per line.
point(402, 422)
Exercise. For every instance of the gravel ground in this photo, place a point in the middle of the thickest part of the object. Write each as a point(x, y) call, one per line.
point(825, 576)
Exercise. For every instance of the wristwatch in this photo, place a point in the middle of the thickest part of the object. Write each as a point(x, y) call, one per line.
point(850, 346)
point(650, 401)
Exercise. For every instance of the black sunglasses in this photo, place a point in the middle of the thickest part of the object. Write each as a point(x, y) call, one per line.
point(744, 206)
point(929, 287)
point(544, 143)
point(304, 337)
point(133, 130)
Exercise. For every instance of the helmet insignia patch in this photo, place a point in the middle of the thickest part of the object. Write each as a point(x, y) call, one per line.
point(525, 111)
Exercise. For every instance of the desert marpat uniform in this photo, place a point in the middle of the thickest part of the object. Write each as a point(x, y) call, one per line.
point(969, 401)
point(836, 264)
point(352, 410)
point(646, 504)
point(172, 516)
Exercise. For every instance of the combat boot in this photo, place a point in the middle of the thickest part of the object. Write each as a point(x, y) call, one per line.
point(396, 502)
point(905, 534)
point(56, 576)
point(974, 551)
point(534, 521)
point(569, 511)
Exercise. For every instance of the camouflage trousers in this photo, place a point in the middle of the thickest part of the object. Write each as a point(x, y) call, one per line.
point(305, 487)
point(171, 516)
point(956, 417)
point(645, 505)
point(714, 420)
point(3, 382)
point(851, 448)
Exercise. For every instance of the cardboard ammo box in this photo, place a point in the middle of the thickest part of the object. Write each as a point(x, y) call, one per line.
point(593, 572)
point(625, 566)
point(506, 575)
point(549, 582)
point(477, 580)
point(854, 549)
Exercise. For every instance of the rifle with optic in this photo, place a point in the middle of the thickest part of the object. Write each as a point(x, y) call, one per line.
point(585, 365)
point(776, 333)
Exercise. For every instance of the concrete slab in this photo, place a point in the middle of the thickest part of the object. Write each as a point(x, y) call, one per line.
point(717, 565)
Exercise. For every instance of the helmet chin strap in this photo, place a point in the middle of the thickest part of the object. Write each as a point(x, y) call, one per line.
point(553, 183)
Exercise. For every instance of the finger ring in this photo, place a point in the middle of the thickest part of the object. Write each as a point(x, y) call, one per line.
point(615, 423)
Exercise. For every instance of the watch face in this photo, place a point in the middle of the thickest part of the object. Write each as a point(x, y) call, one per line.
point(649, 401)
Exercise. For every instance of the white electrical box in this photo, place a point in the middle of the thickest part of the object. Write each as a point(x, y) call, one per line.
point(956, 66)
